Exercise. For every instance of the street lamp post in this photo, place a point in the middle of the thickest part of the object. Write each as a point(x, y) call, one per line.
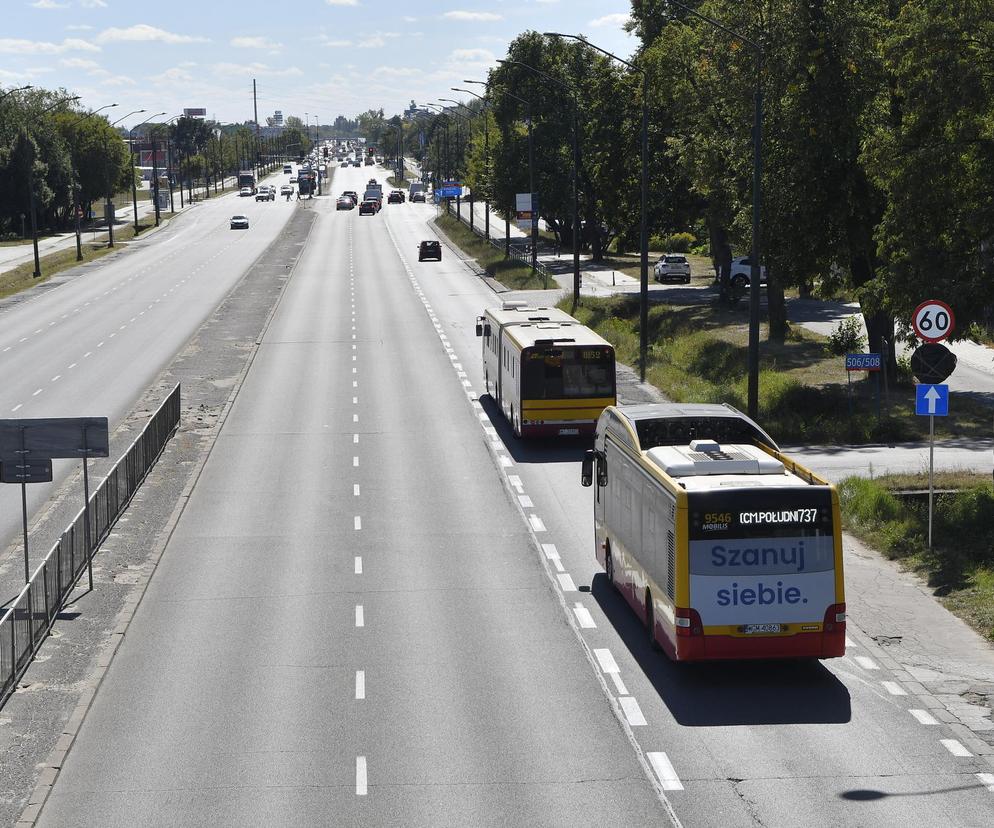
point(134, 185)
point(757, 193)
point(77, 207)
point(486, 152)
point(644, 222)
point(469, 124)
point(460, 148)
point(109, 213)
point(576, 173)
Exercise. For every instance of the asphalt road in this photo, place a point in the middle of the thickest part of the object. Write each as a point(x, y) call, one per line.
point(91, 346)
point(370, 614)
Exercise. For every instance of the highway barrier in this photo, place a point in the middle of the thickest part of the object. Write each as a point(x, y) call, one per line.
point(28, 620)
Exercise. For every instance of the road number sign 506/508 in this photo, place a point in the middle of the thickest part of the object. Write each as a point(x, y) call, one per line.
point(933, 320)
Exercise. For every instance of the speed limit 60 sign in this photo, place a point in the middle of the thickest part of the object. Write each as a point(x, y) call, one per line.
point(933, 320)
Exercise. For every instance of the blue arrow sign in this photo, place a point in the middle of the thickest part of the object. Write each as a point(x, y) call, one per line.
point(932, 400)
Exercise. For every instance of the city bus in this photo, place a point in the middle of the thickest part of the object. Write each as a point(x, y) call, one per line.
point(550, 375)
point(724, 547)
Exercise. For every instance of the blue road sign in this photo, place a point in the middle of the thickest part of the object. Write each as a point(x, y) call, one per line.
point(862, 362)
point(450, 192)
point(932, 400)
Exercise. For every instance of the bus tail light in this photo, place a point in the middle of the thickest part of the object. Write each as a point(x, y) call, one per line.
point(688, 622)
point(835, 617)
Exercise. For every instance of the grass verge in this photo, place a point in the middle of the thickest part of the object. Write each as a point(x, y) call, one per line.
point(509, 272)
point(960, 565)
point(699, 353)
point(94, 247)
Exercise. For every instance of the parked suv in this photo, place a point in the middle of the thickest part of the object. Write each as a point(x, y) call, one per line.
point(741, 272)
point(673, 267)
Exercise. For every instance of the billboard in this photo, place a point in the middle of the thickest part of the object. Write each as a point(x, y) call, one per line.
point(526, 211)
point(195, 112)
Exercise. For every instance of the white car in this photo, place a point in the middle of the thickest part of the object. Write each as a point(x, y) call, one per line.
point(672, 267)
point(245, 191)
point(286, 189)
point(741, 273)
point(239, 222)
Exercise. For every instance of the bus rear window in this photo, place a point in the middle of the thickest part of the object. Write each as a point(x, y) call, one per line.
point(559, 373)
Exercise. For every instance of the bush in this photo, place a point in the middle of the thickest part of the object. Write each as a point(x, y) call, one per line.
point(674, 243)
point(847, 338)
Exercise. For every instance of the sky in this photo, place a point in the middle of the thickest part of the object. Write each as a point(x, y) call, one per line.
point(312, 57)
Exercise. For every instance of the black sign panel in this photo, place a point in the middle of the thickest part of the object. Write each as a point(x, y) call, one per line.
point(769, 512)
point(28, 471)
point(932, 363)
point(47, 438)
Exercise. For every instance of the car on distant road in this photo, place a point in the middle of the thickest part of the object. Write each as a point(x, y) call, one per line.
point(418, 197)
point(351, 194)
point(368, 208)
point(430, 249)
point(286, 189)
point(741, 272)
point(293, 179)
point(265, 193)
point(245, 191)
point(344, 203)
point(239, 222)
point(672, 267)
point(395, 197)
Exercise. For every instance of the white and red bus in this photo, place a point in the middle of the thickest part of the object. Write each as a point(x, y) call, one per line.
point(725, 547)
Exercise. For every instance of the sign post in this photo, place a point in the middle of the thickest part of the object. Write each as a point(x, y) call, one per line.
point(863, 362)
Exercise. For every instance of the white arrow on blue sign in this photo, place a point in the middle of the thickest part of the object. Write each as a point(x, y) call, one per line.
point(932, 400)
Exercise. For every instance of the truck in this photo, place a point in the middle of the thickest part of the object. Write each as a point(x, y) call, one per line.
point(307, 182)
point(246, 178)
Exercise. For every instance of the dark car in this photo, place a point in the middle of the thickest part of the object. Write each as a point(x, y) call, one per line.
point(367, 208)
point(429, 250)
point(395, 197)
point(353, 195)
point(418, 197)
point(344, 203)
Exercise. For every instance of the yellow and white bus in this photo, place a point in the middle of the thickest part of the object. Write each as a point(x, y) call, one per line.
point(724, 546)
point(550, 375)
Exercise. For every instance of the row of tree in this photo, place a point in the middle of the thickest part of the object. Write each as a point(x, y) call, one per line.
point(54, 156)
point(878, 143)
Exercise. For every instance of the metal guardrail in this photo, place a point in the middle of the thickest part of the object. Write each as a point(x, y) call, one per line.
point(520, 251)
point(26, 623)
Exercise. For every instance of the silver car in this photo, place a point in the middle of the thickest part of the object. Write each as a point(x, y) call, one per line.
point(239, 222)
point(673, 267)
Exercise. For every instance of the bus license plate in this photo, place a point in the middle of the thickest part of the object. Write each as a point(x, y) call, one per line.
point(569, 432)
point(752, 629)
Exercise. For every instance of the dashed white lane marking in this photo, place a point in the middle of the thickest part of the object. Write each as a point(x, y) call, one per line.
point(355, 489)
point(7, 348)
point(668, 780)
point(355, 401)
point(894, 688)
point(955, 747)
point(633, 713)
point(583, 617)
point(536, 523)
point(16, 407)
point(619, 685)
point(72, 366)
point(355, 418)
point(606, 660)
point(566, 582)
point(355, 438)
point(987, 779)
point(924, 717)
point(87, 354)
point(358, 564)
point(360, 776)
point(36, 393)
point(56, 378)
point(360, 684)
point(525, 501)
point(360, 620)
point(850, 642)
point(866, 662)
point(355, 462)
point(358, 523)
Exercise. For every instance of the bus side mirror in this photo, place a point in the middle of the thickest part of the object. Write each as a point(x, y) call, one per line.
point(587, 468)
point(601, 469)
point(479, 329)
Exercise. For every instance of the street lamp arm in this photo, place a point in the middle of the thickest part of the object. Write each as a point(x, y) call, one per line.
point(91, 114)
point(546, 75)
point(581, 39)
point(718, 25)
point(125, 117)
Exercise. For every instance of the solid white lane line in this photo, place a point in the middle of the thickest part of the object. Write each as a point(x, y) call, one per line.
point(630, 707)
point(358, 523)
point(566, 583)
point(866, 662)
point(924, 717)
point(360, 776)
point(536, 523)
point(355, 462)
point(355, 489)
point(360, 684)
point(360, 620)
point(583, 617)
point(358, 565)
point(955, 747)
point(606, 660)
point(668, 780)
point(894, 688)
point(619, 685)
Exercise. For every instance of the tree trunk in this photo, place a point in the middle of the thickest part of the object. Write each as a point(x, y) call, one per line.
point(776, 308)
point(721, 257)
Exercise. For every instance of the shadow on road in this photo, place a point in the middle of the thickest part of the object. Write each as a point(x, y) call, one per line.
point(552, 450)
point(725, 693)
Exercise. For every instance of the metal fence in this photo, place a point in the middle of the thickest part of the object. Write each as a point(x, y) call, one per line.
point(520, 249)
point(26, 623)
